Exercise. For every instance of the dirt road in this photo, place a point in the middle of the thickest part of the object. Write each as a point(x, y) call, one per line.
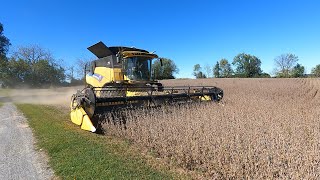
point(18, 157)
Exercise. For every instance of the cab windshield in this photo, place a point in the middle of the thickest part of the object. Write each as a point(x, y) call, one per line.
point(137, 68)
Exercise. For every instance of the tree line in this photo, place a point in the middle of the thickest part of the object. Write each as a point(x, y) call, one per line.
point(31, 66)
point(34, 66)
point(249, 66)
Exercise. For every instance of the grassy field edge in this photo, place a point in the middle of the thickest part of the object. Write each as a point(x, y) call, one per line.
point(78, 154)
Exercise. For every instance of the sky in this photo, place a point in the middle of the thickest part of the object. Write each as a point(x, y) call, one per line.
point(188, 32)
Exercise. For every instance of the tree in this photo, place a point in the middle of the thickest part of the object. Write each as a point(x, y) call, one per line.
point(265, 75)
point(316, 71)
point(201, 75)
point(47, 73)
point(70, 73)
point(39, 74)
point(34, 66)
point(4, 47)
point(32, 54)
point(19, 73)
point(4, 43)
point(207, 69)
point(297, 71)
point(247, 65)
point(216, 70)
point(166, 71)
point(226, 70)
point(197, 68)
point(197, 71)
point(3, 69)
point(78, 68)
point(284, 64)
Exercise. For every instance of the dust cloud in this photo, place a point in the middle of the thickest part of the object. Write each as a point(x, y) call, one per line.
point(52, 96)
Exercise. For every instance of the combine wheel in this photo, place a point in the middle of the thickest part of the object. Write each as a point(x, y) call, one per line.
point(89, 102)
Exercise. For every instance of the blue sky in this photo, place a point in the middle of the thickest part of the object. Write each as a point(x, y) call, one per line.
point(188, 32)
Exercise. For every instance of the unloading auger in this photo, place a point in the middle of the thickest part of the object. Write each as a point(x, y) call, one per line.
point(122, 76)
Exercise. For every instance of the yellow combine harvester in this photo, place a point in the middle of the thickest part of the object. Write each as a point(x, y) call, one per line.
point(122, 76)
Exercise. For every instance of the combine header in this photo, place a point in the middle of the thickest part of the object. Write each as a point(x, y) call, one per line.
point(122, 76)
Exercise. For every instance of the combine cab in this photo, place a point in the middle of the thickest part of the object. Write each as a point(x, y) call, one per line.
point(122, 76)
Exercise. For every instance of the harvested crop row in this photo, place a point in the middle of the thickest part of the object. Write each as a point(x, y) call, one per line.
point(266, 128)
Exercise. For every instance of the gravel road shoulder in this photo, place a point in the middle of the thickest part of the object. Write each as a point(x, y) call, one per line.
point(18, 157)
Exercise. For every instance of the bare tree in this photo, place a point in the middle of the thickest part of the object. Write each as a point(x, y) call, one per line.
point(70, 73)
point(208, 70)
point(285, 63)
point(80, 65)
point(33, 54)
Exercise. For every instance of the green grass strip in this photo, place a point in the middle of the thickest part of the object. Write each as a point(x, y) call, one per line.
point(77, 154)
